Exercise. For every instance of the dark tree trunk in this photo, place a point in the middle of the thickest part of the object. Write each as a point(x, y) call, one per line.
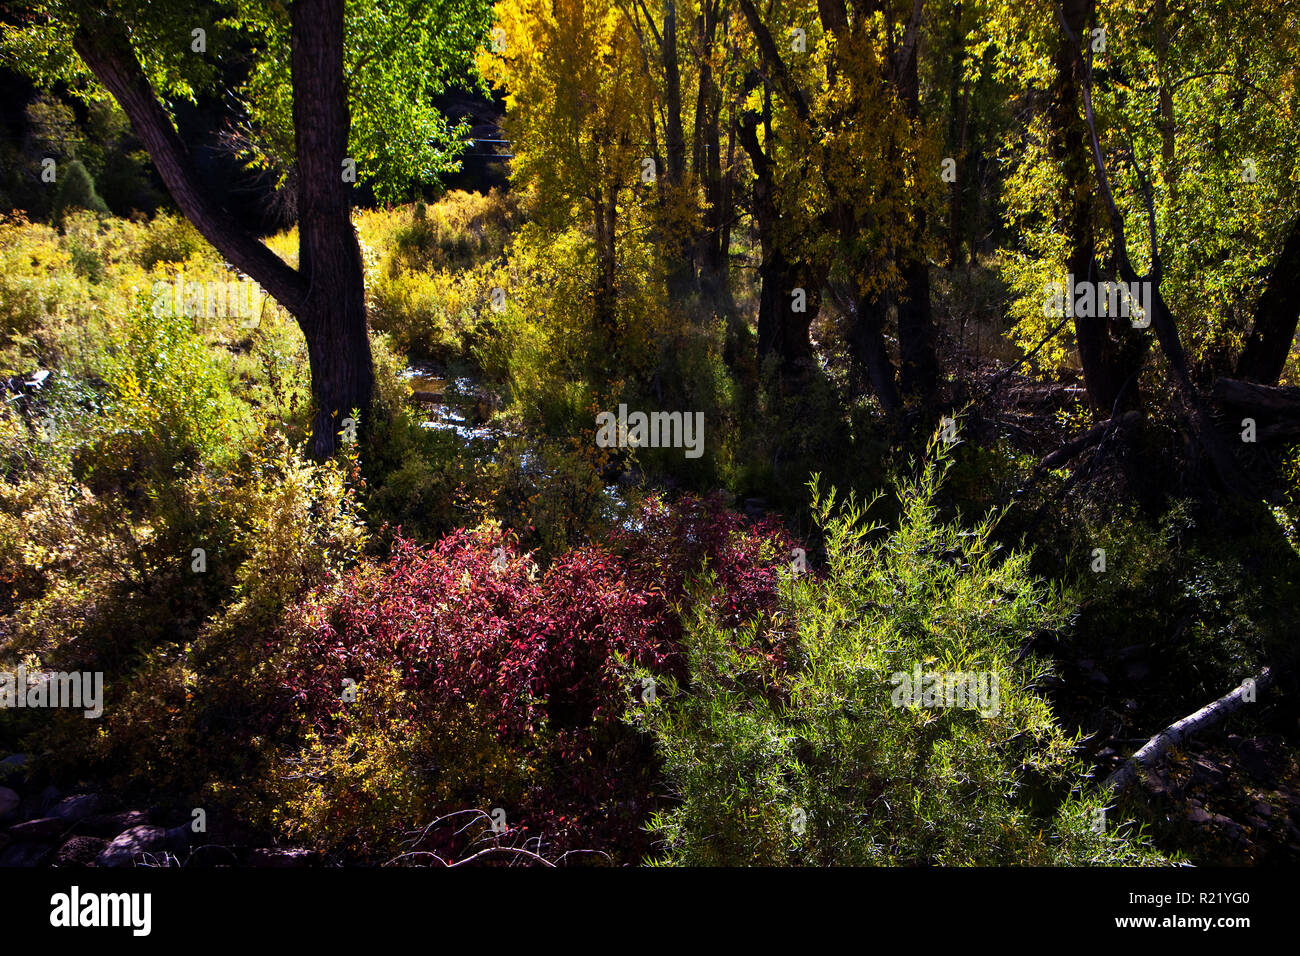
point(866, 339)
point(711, 248)
point(956, 204)
point(1273, 332)
point(1110, 354)
point(919, 366)
point(781, 330)
point(919, 372)
point(605, 302)
point(333, 317)
point(672, 74)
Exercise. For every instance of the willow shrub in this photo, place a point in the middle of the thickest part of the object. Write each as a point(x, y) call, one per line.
point(812, 763)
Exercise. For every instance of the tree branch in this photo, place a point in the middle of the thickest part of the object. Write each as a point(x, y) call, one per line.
point(102, 43)
point(775, 65)
point(1179, 730)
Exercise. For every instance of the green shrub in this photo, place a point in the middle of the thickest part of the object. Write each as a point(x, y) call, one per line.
point(171, 238)
point(77, 191)
point(817, 765)
point(169, 391)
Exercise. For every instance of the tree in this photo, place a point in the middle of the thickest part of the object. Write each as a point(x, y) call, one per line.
point(576, 99)
point(1168, 141)
point(144, 53)
point(854, 172)
point(77, 189)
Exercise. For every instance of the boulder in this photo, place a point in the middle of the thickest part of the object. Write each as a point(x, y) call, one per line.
point(77, 807)
point(109, 825)
point(9, 801)
point(42, 828)
point(25, 854)
point(125, 847)
point(49, 797)
point(79, 851)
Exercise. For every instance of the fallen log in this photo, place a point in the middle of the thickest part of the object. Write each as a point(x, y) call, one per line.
point(1089, 438)
point(1284, 431)
point(1179, 730)
point(1263, 398)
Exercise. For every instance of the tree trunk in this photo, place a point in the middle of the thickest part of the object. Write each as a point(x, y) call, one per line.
point(333, 317)
point(1276, 315)
point(1111, 356)
point(1208, 716)
point(919, 366)
point(919, 371)
point(780, 329)
point(866, 339)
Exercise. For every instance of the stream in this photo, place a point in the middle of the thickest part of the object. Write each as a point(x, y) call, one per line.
point(451, 401)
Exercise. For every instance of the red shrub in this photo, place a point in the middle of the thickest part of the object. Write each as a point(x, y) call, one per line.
point(471, 621)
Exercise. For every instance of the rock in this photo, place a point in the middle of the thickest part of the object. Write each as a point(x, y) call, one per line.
point(79, 851)
point(9, 801)
point(1137, 670)
point(281, 857)
point(1157, 784)
point(125, 847)
point(49, 797)
point(1197, 815)
point(42, 828)
point(110, 825)
point(1260, 759)
point(75, 808)
point(1263, 810)
point(177, 839)
point(14, 767)
point(1206, 773)
point(25, 854)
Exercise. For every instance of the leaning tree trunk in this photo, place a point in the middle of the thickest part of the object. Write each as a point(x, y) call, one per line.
point(326, 295)
point(333, 315)
point(1276, 315)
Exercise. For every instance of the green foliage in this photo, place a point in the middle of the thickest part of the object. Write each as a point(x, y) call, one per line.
point(1214, 595)
point(398, 56)
point(172, 239)
point(363, 791)
point(818, 766)
point(1216, 171)
point(169, 389)
point(77, 191)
